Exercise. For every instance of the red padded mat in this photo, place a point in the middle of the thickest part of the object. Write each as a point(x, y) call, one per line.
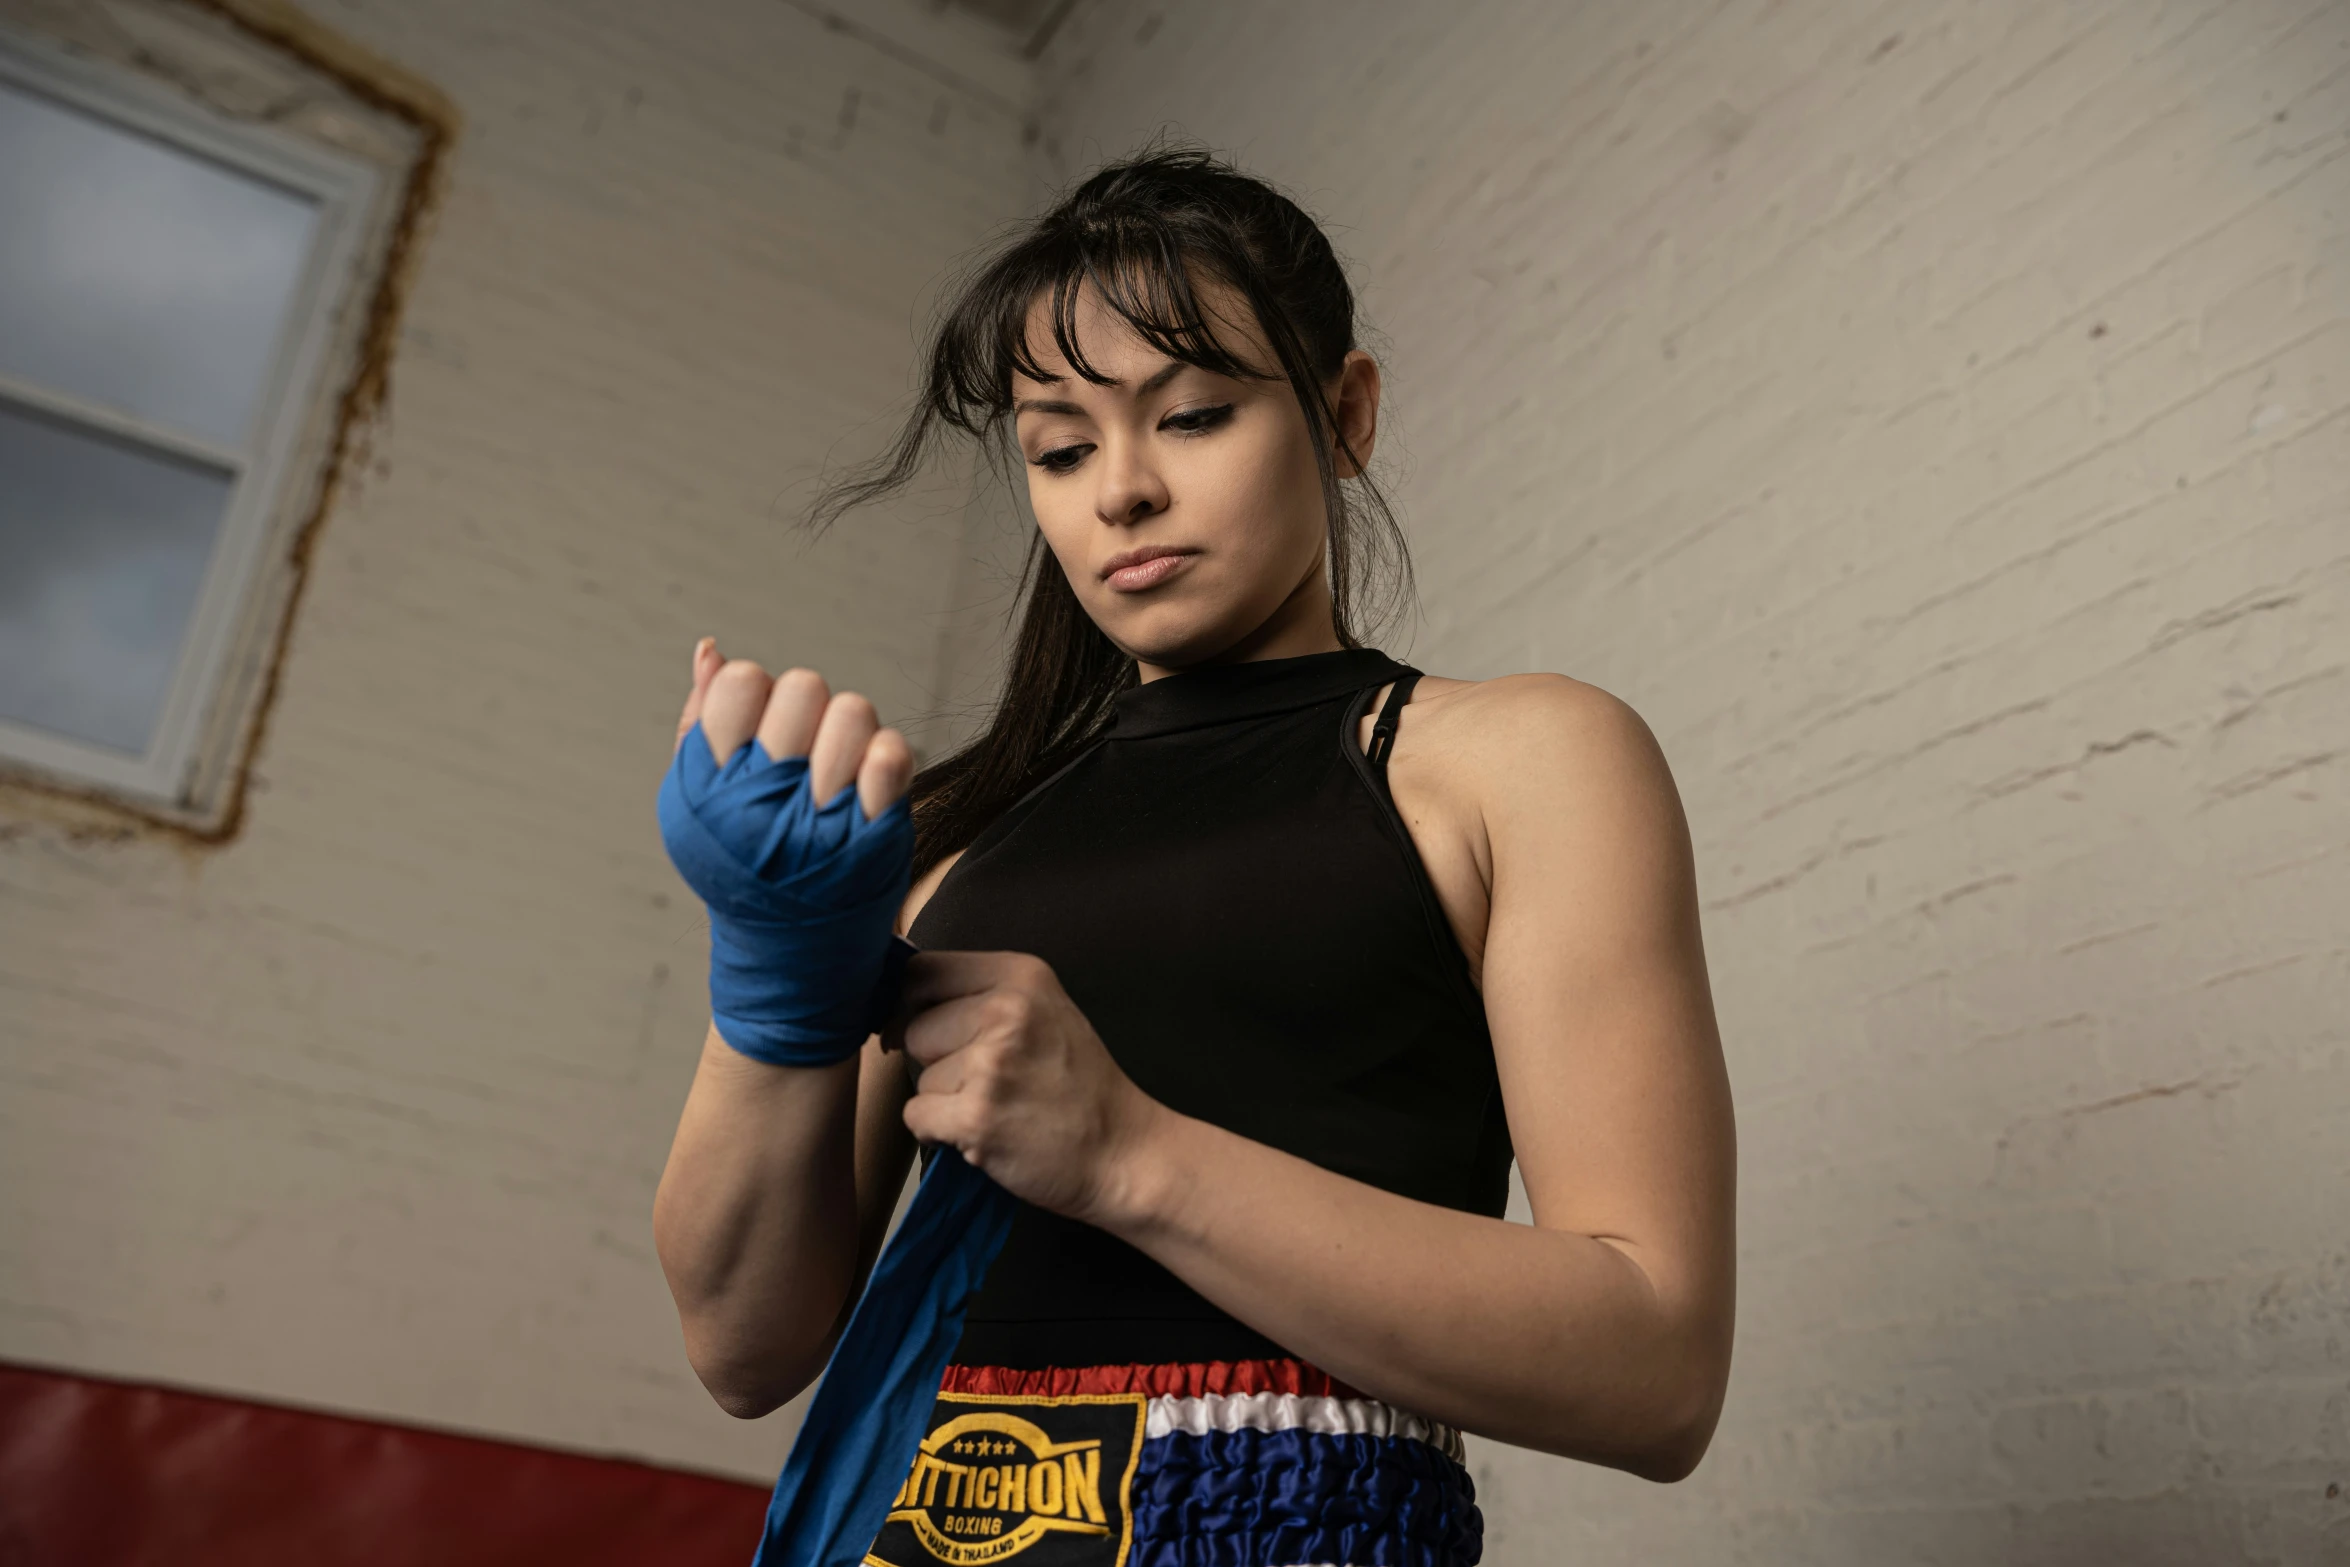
point(107, 1474)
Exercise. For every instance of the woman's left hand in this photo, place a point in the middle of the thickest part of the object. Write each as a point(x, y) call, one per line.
point(1014, 1077)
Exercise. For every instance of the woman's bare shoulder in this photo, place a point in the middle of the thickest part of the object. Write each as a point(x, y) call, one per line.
point(1510, 709)
point(1531, 737)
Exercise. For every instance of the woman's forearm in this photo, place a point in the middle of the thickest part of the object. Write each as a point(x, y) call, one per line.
point(1541, 1338)
point(757, 1221)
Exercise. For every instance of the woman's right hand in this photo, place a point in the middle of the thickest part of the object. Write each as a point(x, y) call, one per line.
point(781, 1180)
point(797, 714)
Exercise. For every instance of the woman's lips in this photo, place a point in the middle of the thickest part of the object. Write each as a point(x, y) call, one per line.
point(1148, 573)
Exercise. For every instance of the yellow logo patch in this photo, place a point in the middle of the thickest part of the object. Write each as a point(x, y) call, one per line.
point(1043, 1479)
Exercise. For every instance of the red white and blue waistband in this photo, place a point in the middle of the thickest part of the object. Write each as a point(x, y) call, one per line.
point(1246, 1395)
point(1270, 1463)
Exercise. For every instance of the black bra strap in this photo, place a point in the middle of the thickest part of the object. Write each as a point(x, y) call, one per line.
point(1383, 732)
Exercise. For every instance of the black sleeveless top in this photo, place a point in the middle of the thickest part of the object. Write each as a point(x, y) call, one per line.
point(1224, 888)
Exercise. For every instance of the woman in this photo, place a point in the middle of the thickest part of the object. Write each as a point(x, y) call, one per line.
point(1251, 956)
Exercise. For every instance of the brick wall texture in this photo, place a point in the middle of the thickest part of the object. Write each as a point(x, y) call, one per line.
point(1936, 421)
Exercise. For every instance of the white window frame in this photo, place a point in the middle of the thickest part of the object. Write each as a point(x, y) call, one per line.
point(343, 188)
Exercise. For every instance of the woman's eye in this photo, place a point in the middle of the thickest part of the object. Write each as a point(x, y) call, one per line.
point(1197, 421)
point(1061, 458)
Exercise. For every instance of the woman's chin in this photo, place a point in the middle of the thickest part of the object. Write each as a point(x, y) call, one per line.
point(1169, 633)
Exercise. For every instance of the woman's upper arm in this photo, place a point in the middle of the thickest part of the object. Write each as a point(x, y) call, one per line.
point(1595, 985)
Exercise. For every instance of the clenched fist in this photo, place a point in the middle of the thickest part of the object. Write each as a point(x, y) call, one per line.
point(803, 875)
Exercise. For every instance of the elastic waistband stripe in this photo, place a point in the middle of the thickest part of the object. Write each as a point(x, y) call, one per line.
point(1290, 1412)
point(1197, 1379)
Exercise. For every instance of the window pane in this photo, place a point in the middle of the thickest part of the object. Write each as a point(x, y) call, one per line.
point(102, 550)
point(139, 276)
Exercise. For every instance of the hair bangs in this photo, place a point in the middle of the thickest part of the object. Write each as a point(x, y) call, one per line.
point(1145, 274)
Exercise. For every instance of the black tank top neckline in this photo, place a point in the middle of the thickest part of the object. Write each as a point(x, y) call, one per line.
point(1224, 888)
point(1224, 693)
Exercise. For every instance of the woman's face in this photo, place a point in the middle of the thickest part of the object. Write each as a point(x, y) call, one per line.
point(1184, 506)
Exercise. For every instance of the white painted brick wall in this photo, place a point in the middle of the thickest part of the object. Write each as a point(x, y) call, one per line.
point(1941, 441)
point(1936, 420)
point(365, 1109)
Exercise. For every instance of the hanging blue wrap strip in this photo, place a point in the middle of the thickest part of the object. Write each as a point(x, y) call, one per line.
point(803, 966)
point(870, 1411)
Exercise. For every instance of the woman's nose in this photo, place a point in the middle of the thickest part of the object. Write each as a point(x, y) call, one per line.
point(1131, 488)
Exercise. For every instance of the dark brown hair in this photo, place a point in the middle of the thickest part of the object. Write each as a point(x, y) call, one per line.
point(1144, 233)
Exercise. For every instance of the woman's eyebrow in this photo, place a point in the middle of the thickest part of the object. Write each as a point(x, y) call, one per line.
point(1052, 405)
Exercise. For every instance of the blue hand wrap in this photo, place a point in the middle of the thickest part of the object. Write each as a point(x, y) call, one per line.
point(802, 897)
point(803, 966)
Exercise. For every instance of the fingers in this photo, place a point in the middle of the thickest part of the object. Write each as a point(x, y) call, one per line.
point(796, 714)
point(706, 664)
point(989, 1048)
point(934, 977)
point(794, 709)
point(849, 724)
point(935, 1037)
point(886, 771)
point(732, 705)
point(936, 1118)
point(941, 980)
point(951, 1094)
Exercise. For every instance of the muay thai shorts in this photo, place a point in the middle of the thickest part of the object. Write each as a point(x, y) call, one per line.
point(1256, 1463)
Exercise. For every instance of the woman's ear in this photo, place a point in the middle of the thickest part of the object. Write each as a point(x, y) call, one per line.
point(1354, 403)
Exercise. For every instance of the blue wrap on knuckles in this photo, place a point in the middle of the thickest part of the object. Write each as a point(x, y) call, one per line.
point(802, 898)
